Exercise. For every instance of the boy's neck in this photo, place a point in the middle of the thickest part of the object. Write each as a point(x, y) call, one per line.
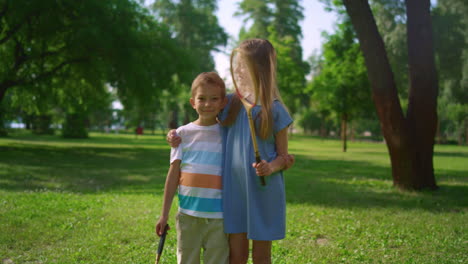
point(205, 122)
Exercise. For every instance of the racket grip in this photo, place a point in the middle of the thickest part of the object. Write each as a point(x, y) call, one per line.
point(262, 178)
point(162, 239)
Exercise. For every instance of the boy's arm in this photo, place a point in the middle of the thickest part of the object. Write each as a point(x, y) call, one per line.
point(282, 161)
point(170, 188)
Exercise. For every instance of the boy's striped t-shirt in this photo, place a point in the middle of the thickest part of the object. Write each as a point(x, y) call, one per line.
point(200, 190)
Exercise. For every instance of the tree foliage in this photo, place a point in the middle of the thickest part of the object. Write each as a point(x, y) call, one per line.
point(256, 13)
point(106, 41)
point(51, 51)
point(285, 33)
point(196, 28)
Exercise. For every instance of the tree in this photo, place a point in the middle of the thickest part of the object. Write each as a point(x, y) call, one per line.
point(285, 34)
point(450, 43)
point(196, 30)
point(259, 14)
point(341, 87)
point(410, 138)
point(98, 40)
point(118, 42)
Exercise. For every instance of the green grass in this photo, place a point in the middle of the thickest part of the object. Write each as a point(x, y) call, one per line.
point(97, 200)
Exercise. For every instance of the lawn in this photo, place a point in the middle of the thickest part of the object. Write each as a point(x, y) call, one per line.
point(97, 200)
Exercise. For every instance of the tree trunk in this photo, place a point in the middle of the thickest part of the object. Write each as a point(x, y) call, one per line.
point(4, 85)
point(466, 131)
point(2, 92)
point(422, 104)
point(172, 124)
point(410, 140)
point(344, 122)
point(323, 129)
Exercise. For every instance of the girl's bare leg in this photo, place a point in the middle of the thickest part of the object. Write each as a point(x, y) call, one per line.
point(261, 253)
point(238, 248)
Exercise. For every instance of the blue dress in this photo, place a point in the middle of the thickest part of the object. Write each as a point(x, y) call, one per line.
point(249, 207)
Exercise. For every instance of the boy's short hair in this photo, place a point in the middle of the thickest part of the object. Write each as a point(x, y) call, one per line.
point(210, 78)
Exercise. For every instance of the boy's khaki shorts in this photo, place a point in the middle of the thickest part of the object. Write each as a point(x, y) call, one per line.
point(195, 234)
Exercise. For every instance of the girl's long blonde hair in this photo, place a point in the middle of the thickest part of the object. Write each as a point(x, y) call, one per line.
point(262, 57)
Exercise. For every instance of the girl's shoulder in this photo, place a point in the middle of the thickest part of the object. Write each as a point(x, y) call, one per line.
point(281, 116)
point(224, 112)
point(279, 108)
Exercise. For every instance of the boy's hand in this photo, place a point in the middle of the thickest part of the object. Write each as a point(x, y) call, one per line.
point(160, 226)
point(262, 168)
point(173, 139)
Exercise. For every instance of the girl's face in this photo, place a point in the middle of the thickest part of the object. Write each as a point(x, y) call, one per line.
point(208, 101)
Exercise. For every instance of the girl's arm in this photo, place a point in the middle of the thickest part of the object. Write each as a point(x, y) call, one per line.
point(282, 161)
point(172, 181)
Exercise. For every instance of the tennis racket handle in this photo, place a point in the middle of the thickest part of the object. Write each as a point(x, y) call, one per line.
point(258, 159)
point(162, 239)
point(262, 178)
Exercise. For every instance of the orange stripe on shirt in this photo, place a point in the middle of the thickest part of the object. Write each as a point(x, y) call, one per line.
point(200, 180)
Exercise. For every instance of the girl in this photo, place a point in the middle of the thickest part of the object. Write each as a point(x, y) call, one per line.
point(252, 211)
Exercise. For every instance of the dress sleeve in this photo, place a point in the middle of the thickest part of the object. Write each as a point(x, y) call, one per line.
point(224, 112)
point(281, 117)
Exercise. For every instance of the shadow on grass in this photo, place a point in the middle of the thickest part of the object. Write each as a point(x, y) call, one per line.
point(137, 168)
point(347, 184)
point(104, 139)
point(82, 169)
point(451, 154)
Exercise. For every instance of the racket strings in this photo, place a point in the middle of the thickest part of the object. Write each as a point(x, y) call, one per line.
point(243, 80)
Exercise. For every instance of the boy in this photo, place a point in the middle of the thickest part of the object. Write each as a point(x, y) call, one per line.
point(196, 171)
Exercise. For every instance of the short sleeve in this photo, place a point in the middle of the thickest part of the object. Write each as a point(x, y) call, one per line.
point(224, 112)
point(281, 117)
point(176, 154)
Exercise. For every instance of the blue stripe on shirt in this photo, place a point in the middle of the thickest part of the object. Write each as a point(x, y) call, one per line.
point(202, 157)
point(200, 204)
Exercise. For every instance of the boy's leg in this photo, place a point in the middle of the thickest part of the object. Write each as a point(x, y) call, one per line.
point(215, 243)
point(188, 239)
point(238, 248)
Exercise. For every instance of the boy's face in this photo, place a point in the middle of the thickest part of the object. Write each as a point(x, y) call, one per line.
point(207, 101)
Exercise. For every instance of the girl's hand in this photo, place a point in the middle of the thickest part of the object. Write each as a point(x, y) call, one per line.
point(160, 226)
point(173, 139)
point(288, 161)
point(263, 168)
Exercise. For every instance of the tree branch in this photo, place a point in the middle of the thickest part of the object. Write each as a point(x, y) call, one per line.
point(10, 33)
point(55, 69)
point(6, 84)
